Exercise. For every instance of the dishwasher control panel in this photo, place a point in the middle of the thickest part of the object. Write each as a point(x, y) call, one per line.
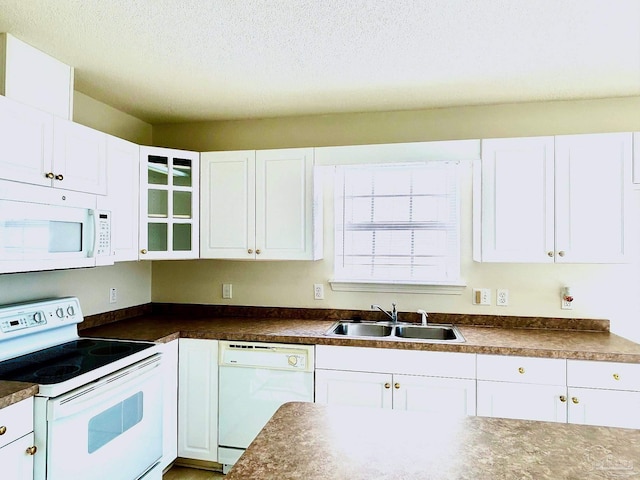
point(266, 355)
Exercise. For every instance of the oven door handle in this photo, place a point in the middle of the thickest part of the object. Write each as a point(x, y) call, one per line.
point(105, 389)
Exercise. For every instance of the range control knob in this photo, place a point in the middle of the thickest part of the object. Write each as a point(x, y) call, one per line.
point(71, 311)
point(59, 312)
point(293, 360)
point(37, 317)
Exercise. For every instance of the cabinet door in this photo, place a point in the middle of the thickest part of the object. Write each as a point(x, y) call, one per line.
point(123, 187)
point(636, 157)
point(79, 157)
point(228, 205)
point(26, 143)
point(609, 408)
point(284, 204)
point(593, 182)
point(198, 399)
point(448, 396)
point(169, 403)
point(517, 201)
point(17, 463)
point(522, 401)
point(169, 204)
point(354, 389)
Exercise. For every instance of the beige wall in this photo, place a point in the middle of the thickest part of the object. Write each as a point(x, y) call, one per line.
point(512, 120)
point(90, 285)
point(601, 291)
point(105, 118)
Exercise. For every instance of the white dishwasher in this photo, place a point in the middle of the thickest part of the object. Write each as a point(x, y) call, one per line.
point(255, 379)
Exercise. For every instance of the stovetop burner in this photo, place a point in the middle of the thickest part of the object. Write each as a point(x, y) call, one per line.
point(68, 360)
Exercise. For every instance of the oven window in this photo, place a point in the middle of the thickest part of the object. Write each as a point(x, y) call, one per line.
point(112, 423)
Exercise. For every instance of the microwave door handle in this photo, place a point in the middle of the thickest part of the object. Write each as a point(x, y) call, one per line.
point(93, 231)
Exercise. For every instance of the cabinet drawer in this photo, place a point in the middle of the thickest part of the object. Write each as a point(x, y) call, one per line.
point(17, 420)
point(542, 371)
point(610, 375)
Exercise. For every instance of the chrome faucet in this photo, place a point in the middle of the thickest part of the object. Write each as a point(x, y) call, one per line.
point(393, 315)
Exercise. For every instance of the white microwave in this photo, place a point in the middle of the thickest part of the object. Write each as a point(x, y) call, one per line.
point(43, 228)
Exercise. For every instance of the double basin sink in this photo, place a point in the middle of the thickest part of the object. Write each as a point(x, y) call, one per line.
point(394, 331)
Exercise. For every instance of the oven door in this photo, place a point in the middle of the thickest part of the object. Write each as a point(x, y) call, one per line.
point(110, 429)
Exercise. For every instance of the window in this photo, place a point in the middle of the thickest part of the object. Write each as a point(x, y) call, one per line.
point(398, 224)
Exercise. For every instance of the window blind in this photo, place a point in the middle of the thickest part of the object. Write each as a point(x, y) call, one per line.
point(398, 223)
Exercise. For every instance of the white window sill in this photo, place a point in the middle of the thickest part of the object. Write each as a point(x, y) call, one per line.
point(362, 286)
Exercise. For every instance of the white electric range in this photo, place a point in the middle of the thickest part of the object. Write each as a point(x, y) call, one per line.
point(98, 412)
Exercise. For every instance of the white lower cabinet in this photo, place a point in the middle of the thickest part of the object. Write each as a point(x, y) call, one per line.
point(435, 382)
point(604, 393)
point(522, 401)
point(198, 399)
point(17, 446)
point(16, 461)
point(522, 388)
point(170, 403)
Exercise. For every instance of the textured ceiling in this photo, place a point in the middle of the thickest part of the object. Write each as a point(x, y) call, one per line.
point(186, 60)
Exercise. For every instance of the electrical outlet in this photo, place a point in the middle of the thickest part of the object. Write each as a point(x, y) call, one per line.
point(113, 295)
point(227, 290)
point(566, 305)
point(502, 297)
point(318, 291)
point(481, 296)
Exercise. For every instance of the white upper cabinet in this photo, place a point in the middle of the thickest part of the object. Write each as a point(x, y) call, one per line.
point(517, 199)
point(227, 197)
point(34, 78)
point(40, 149)
point(258, 205)
point(169, 203)
point(123, 160)
point(26, 143)
point(563, 199)
point(79, 157)
point(636, 157)
point(593, 202)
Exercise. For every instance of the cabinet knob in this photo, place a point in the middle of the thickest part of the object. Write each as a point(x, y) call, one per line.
point(250, 251)
point(396, 386)
point(32, 450)
point(563, 399)
point(575, 400)
point(561, 253)
point(550, 254)
point(59, 177)
point(520, 370)
point(49, 175)
point(3, 430)
point(258, 252)
point(616, 376)
point(387, 385)
point(143, 251)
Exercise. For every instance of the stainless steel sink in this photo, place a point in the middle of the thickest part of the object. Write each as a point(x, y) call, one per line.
point(422, 333)
point(360, 329)
point(441, 333)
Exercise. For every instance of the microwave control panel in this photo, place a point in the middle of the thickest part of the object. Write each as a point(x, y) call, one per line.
point(103, 231)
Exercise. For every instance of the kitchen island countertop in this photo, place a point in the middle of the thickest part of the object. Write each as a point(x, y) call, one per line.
point(306, 441)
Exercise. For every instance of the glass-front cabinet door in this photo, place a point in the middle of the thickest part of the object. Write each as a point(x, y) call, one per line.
point(169, 201)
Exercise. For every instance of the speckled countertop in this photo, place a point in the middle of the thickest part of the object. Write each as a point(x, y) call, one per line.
point(537, 342)
point(538, 337)
point(307, 441)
